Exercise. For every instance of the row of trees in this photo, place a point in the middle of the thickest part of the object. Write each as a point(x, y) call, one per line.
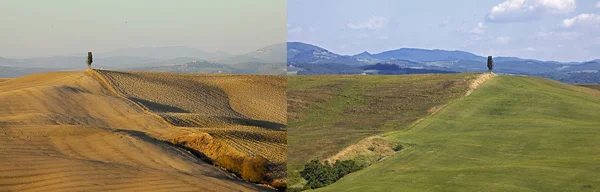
point(322, 174)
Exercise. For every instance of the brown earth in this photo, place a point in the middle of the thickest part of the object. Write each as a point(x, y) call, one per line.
point(69, 131)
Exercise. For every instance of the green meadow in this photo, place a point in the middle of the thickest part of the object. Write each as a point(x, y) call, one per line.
point(511, 134)
point(331, 112)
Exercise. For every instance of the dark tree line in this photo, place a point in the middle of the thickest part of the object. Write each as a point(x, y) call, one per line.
point(322, 174)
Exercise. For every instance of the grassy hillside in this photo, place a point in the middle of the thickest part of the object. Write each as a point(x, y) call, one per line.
point(65, 131)
point(329, 113)
point(511, 134)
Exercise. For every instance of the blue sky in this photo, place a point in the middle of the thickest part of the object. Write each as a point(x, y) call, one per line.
point(561, 30)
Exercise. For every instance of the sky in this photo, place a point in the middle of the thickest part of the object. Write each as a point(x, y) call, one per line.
point(36, 28)
point(559, 30)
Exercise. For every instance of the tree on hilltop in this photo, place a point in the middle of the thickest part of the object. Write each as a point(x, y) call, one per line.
point(89, 60)
point(490, 63)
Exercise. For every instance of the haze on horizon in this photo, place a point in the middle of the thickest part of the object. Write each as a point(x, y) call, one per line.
point(560, 30)
point(49, 28)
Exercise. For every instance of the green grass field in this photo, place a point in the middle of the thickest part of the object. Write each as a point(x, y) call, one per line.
point(511, 134)
point(329, 113)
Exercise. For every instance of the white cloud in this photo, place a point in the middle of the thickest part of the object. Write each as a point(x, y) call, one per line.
point(583, 19)
point(363, 35)
point(300, 29)
point(382, 37)
point(296, 30)
point(562, 35)
point(373, 22)
point(445, 22)
point(520, 10)
point(598, 4)
point(530, 49)
point(479, 29)
point(503, 40)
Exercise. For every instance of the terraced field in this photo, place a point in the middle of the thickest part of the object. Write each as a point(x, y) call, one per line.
point(328, 114)
point(69, 131)
point(247, 112)
point(511, 134)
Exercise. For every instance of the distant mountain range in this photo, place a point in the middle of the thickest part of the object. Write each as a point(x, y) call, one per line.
point(169, 58)
point(305, 57)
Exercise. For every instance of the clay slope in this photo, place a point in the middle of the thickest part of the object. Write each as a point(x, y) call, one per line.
point(244, 116)
point(65, 131)
point(246, 111)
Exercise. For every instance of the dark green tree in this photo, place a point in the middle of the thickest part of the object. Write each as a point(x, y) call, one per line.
point(319, 174)
point(89, 60)
point(342, 168)
point(490, 63)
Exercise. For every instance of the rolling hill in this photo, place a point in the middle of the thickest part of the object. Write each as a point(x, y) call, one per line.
point(512, 133)
point(329, 113)
point(216, 68)
point(443, 60)
point(267, 60)
point(109, 130)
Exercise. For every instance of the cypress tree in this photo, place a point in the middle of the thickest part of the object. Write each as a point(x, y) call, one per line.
point(490, 63)
point(89, 60)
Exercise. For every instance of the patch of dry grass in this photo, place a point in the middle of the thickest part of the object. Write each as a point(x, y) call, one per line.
point(591, 86)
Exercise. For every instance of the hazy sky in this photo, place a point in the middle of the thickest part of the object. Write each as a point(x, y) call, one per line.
point(43, 28)
point(563, 30)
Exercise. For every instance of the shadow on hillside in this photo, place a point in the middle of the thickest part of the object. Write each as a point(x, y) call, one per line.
point(145, 137)
point(158, 107)
point(257, 123)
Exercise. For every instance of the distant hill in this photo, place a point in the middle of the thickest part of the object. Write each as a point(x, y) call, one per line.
point(380, 68)
point(436, 60)
point(574, 78)
point(305, 53)
point(273, 53)
point(165, 53)
point(210, 67)
point(11, 72)
point(393, 69)
point(267, 60)
point(412, 54)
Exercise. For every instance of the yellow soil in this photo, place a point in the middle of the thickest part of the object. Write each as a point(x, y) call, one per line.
point(370, 146)
point(246, 111)
point(65, 131)
point(478, 81)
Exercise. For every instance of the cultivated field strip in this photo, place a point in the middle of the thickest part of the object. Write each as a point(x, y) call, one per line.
point(66, 132)
point(246, 111)
point(269, 144)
